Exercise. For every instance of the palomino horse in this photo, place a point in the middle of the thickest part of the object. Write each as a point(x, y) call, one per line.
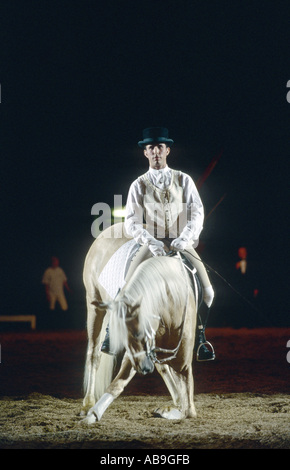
point(152, 319)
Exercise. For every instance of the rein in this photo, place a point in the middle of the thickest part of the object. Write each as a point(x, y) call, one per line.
point(263, 316)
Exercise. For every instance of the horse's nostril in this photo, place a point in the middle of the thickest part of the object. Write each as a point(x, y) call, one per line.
point(147, 367)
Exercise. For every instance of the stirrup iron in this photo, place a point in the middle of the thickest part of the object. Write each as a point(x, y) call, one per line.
point(209, 347)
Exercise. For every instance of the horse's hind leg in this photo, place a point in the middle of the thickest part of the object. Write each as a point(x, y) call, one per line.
point(180, 386)
point(95, 320)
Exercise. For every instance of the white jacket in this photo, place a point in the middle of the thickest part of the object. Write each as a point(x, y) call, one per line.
point(169, 203)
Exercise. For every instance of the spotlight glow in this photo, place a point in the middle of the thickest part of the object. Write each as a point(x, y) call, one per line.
point(119, 212)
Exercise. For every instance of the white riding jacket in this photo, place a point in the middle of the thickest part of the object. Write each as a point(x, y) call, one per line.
point(168, 202)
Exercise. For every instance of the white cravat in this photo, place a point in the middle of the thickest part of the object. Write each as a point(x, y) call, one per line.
point(160, 178)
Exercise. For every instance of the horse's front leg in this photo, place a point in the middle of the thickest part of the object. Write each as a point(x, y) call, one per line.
point(117, 386)
point(180, 386)
point(95, 319)
point(188, 404)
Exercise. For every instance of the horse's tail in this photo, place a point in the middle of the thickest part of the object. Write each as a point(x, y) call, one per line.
point(105, 372)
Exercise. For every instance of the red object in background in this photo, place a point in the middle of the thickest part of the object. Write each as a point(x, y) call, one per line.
point(208, 170)
point(242, 252)
point(256, 292)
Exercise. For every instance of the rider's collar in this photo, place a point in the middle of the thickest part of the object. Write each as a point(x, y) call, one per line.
point(158, 172)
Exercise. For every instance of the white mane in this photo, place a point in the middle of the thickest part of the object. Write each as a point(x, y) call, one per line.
point(160, 286)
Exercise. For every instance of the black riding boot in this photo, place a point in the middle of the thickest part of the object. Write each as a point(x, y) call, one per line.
point(105, 348)
point(204, 350)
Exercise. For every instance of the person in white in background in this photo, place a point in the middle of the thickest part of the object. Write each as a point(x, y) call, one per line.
point(54, 279)
point(169, 203)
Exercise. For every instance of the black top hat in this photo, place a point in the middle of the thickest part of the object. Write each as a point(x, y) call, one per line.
point(155, 135)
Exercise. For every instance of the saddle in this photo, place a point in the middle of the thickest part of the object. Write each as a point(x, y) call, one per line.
point(194, 281)
point(112, 278)
point(193, 278)
point(204, 349)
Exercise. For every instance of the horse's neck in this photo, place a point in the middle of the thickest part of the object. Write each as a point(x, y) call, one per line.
point(158, 299)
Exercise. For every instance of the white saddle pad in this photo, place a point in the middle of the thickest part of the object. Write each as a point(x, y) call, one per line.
point(112, 278)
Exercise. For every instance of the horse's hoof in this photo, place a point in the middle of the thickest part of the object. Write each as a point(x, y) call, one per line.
point(168, 413)
point(85, 409)
point(192, 414)
point(91, 419)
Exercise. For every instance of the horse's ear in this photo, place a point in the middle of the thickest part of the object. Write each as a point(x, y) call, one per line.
point(136, 304)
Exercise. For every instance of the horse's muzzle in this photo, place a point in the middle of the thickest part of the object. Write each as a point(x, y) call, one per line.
point(145, 366)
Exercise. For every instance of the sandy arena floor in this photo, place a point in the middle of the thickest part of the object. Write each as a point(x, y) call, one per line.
point(242, 398)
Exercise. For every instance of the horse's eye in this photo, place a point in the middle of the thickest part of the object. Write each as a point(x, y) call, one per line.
point(137, 335)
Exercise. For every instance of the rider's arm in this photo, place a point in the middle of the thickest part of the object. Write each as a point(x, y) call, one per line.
point(134, 221)
point(134, 213)
point(195, 212)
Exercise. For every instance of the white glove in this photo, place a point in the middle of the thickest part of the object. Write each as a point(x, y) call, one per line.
point(179, 244)
point(156, 247)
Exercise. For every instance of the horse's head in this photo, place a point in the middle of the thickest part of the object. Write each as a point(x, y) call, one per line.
point(128, 331)
point(140, 340)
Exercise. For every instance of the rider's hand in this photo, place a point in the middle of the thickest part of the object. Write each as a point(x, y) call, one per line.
point(179, 244)
point(156, 247)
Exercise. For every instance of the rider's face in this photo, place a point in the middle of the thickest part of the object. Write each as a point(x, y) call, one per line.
point(157, 155)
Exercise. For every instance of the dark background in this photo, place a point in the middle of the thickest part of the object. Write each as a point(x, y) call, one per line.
point(79, 82)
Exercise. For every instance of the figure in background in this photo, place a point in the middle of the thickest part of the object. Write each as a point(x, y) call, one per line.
point(242, 265)
point(247, 274)
point(54, 279)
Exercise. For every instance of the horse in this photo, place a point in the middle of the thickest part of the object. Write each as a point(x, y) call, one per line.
point(152, 323)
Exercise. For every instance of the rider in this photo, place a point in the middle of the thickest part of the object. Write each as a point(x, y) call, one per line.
point(168, 201)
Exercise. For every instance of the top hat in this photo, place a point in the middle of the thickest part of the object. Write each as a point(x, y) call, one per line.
point(155, 135)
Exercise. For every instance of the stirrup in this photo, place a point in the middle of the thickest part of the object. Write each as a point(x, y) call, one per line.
point(105, 346)
point(201, 349)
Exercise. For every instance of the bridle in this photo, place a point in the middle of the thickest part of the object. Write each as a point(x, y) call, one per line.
point(151, 348)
